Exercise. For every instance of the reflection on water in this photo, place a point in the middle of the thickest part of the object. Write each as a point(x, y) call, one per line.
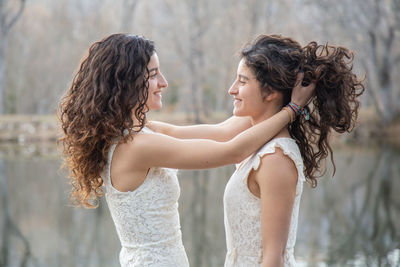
point(350, 220)
point(353, 219)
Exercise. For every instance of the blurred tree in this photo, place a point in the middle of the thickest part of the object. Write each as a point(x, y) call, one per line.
point(8, 17)
point(189, 43)
point(374, 27)
point(128, 11)
point(206, 34)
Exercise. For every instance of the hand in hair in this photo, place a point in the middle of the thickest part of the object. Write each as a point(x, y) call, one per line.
point(301, 95)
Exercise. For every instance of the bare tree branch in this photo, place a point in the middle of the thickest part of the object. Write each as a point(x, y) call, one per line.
point(4, 29)
point(378, 21)
point(396, 60)
point(128, 10)
point(7, 25)
point(372, 38)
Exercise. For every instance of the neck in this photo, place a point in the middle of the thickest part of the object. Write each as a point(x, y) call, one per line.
point(268, 113)
point(135, 120)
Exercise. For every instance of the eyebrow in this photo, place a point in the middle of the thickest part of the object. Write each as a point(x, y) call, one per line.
point(243, 77)
point(153, 69)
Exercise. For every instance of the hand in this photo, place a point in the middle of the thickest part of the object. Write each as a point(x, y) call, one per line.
point(300, 94)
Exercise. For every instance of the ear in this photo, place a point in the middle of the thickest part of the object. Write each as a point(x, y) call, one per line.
point(271, 96)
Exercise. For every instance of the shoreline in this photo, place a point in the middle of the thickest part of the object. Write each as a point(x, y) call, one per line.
point(30, 129)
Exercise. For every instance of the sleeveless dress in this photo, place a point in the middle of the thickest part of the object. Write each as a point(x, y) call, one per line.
point(242, 210)
point(147, 219)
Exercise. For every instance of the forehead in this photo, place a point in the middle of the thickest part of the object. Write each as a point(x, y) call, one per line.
point(244, 69)
point(153, 63)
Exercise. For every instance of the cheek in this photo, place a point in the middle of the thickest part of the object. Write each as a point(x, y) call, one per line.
point(152, 86)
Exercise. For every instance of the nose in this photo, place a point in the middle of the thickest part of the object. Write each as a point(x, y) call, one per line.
point(162, 82)
point(233, 90)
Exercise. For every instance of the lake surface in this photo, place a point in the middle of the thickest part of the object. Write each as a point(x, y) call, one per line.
point(352, 219)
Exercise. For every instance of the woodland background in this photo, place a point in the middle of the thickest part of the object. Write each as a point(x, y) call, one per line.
point(43, 41)
point(350, 220)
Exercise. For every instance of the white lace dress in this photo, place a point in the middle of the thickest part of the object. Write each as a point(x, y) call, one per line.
point(242, 210)
point(147, 219)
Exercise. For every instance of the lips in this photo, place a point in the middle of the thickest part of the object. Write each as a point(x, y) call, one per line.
point(236, 101)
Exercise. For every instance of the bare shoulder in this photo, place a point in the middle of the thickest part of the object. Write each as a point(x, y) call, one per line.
point(133, 151)
point(128, 170)
point(152, 149)
point(141, 140)
point(276, 169)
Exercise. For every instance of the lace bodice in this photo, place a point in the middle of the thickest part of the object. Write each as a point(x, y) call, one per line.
point(147, 219)
point(242, 210)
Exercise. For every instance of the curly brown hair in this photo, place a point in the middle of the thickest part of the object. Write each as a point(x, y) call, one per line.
point(276, 61)
point(110, 83)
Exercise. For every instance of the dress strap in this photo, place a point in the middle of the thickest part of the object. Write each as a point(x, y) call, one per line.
point(106, 174)
point(289, 148)
point(146, 130)
point(107, 169)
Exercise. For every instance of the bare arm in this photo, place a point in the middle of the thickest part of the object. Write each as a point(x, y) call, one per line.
point(132, 160)
point(221, 132)
point(158, 150)
point(229, 128)
point(277, 178)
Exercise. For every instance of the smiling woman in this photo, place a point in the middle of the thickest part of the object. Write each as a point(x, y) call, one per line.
point(249, 100)
point(106, 143)
point(262, 198)
point(157, 82)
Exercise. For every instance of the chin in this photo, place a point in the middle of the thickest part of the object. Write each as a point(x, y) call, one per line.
point(237, 113)
point(155, 106)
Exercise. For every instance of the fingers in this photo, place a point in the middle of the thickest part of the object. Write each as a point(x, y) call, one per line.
point(299, 79)
point(311, 86)
point(310, 91)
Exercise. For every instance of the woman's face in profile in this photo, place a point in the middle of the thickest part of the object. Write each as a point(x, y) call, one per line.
point(157, 83)
point(246, 91)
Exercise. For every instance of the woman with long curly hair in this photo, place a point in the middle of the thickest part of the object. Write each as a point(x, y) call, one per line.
point(106, 143)
point(261, 200)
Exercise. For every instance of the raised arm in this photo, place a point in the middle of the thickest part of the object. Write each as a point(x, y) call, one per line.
point(229, 128)
point(158, 150)
point(221, 132)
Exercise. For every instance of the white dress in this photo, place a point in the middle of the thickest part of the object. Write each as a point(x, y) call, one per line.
point(242, 210)
point(147, 219)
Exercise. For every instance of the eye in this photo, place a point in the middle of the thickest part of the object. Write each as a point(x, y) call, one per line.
point(153, 75)
point(242, 82)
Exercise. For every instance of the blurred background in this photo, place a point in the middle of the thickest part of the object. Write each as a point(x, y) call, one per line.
point(352, 219)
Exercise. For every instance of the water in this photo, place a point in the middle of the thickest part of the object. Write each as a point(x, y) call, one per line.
point(350, 220)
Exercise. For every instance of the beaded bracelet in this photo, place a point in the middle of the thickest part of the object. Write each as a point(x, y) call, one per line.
point(305, 113)
point(296, 108)
point(297, 111)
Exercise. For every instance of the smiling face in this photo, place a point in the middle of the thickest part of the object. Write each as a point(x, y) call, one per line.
point(157, 83)
point(248, 98)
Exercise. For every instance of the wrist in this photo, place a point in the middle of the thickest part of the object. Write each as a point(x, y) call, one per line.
point(296, 111)
point(297, 102)
point(291, 114)
point(295, 108)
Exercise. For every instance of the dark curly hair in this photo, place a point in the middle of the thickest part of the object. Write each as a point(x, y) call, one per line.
point(109, 84)
point(276, 61)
